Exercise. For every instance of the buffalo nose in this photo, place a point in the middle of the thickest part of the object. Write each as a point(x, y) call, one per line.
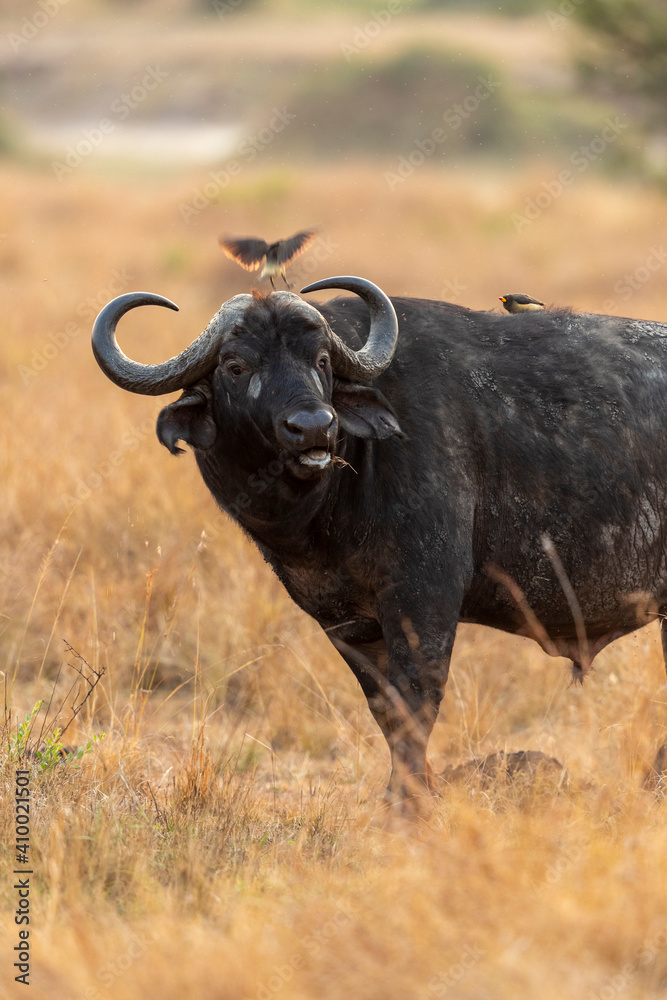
point(309, 426)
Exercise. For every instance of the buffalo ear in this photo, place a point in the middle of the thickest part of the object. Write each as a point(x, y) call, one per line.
point(363, 411)
point(187, 419)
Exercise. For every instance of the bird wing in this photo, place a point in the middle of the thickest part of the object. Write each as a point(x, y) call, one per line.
point(249, 253)
point(525, 300)
point(295, 245)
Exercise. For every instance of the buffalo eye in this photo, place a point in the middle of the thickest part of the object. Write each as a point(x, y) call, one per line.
point(234, 369)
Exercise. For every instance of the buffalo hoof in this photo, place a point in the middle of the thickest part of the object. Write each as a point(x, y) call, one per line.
point(410, 794)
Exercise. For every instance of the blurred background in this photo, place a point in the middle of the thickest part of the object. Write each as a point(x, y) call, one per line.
point(425, 127)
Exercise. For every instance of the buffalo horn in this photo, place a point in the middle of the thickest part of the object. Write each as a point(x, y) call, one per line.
point(375, 356)
point(187, 367)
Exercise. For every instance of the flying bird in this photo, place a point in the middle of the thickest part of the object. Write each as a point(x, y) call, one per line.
point(249, 252)
point(518, 302)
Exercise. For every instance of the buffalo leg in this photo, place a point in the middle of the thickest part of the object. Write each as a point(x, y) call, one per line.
point(417, 671)
point(404, 687)
point(368, 664)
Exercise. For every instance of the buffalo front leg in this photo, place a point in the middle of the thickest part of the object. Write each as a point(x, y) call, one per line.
point(404, 680)
point(418, 657)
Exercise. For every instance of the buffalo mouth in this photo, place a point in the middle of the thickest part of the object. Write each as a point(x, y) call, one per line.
point(309, 463)
point(315, 458)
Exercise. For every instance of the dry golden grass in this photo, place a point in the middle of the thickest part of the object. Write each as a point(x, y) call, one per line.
point(229, 837)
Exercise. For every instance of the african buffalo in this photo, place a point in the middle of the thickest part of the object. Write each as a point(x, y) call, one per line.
point(467, 466)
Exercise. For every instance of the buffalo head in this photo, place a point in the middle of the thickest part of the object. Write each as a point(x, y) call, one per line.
point(267, 378)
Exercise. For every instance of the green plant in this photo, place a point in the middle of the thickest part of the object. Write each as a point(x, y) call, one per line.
point(46, 748)
point(19, 744)
point(51, 752)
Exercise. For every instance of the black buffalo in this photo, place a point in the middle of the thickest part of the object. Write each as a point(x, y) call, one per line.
point(407, 466)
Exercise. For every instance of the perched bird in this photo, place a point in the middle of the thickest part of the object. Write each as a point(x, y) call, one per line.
point(249, 252)
point(517, 303)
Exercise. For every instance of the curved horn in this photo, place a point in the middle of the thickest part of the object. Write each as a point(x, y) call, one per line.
point(376, 354)
point(187, 367)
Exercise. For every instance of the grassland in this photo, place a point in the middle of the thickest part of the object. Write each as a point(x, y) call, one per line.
point(228, 838)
